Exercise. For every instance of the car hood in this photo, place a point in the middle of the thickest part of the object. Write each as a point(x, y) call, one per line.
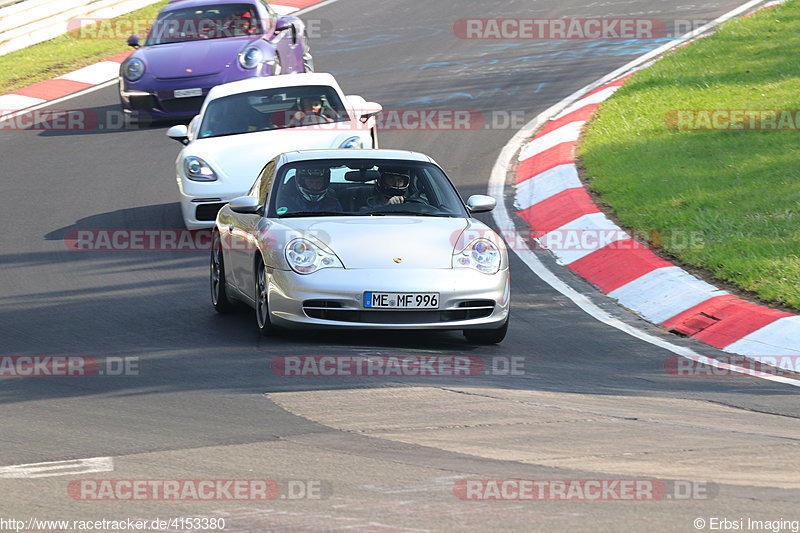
point(376, 242)
point(192, 58)
point(239, 158)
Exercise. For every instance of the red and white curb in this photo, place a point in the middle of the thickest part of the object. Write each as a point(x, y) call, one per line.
point(76, 81)
point(552, 202)
point(99, 73)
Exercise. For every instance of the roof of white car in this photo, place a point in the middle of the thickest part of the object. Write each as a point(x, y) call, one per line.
point(306, 155)
point(271, 82)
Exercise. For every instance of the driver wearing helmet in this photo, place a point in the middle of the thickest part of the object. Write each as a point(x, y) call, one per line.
point(313, 192)
point(392, 188)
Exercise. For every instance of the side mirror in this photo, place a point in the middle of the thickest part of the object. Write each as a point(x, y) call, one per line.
point(133, 41)
point(180, 133)
point(287, 23)
point(480, 203)
point(246, 205)
point(364, 109)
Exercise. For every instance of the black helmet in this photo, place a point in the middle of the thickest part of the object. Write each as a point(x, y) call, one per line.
point(313, 194)
point(393, 181)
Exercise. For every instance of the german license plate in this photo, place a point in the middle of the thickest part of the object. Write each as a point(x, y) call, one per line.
point(401, 300)
point(187, 93)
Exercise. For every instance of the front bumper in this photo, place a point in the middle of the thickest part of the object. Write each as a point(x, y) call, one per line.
point(201, 200)
point(155, 98)
point(332, 298)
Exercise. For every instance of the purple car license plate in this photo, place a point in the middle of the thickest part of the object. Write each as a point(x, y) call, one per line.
point(401, 300)
point(188, 93)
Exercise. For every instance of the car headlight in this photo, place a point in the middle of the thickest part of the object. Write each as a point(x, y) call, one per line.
point(251, 57)
point(198, 170)
point(481, 254)
point(352, 142)
point(134, 70)
point(305, 257)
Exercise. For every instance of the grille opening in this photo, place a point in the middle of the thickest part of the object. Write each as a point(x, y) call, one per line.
point(142, 102)
point(327, 304)
point(207, 211)
point(183, 105)
point(477, 303)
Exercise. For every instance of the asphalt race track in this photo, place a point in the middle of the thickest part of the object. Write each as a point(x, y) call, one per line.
point(590, 403)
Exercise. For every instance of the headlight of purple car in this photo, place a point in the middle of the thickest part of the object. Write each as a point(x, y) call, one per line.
point(134, 70)
point(251, 57)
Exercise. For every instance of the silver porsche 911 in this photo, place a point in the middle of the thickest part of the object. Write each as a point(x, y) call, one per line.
point(361, 239)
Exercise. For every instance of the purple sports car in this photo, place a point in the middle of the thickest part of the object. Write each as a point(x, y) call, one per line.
point(195, 45)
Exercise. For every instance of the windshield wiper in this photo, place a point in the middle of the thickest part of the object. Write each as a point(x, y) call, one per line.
point(314, 214)
point(413, 213)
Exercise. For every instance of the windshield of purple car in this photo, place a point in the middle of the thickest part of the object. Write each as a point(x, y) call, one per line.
point(204, 22)
point(273, 109)
point(363, 187)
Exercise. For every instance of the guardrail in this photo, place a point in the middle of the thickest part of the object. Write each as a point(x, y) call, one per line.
point(27, 22)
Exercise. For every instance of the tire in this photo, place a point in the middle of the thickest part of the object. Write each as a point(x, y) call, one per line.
point(374, 135)
point(487, 336)
point(262, 302)
point(219, 290)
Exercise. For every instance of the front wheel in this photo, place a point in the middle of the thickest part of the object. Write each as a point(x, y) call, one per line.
point(262, 302)
point(487, 336)
point(219, 290)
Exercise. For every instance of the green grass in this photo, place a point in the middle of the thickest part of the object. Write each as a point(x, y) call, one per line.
point(67, 52)
point(736, 194)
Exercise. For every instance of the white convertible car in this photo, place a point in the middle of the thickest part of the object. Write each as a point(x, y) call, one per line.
point(244, 124)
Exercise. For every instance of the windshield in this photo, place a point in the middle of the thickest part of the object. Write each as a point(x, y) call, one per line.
point(204, 22)
point(363, 187)
point(272, 109)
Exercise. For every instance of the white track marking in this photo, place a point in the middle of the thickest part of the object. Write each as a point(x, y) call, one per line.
point(12, 102)
point(768, 340)
point(93, 74)
point(58, 468)
point(283, 10)
point(503, 220)
point(568, 133)
point(596, 98)
point(664, 293)
point(549, 183)
point(581, 237)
